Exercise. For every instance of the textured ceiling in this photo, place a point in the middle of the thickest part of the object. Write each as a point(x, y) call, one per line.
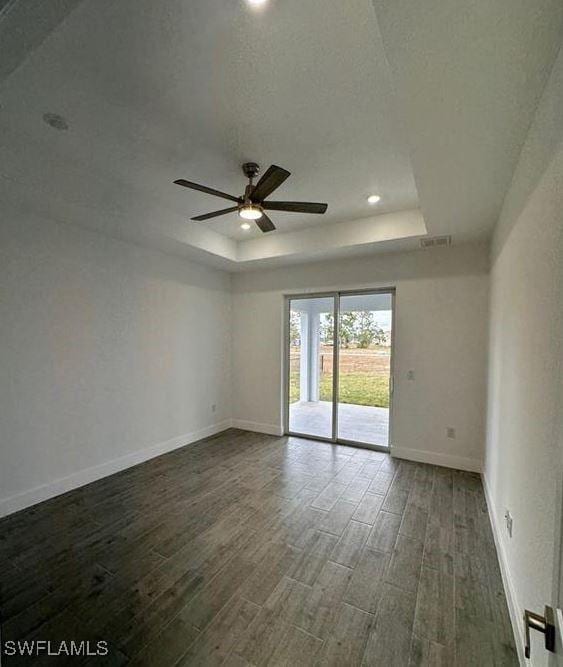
point(352, 97)
point(155, 91)
point(468, 77)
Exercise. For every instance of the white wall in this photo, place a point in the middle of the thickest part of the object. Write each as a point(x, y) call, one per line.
point(523, 454)
point(106, 349)
point(441, 334)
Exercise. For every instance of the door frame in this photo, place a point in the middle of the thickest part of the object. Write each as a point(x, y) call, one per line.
point(336, 295)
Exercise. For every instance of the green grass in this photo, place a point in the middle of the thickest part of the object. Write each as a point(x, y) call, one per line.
point(355, 388)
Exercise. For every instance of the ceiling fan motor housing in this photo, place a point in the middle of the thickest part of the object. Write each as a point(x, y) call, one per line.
point(251, 169)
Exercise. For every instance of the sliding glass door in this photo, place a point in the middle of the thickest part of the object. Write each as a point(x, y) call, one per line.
point(364, 367)
point(311, 366)
point(339, 366)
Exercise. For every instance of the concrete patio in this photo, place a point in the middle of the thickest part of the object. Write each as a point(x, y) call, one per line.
point(360, 423)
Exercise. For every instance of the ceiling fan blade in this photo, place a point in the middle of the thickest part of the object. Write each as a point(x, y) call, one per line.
point(215, 214)
point(265, 224)
point(273, 177)
point(203, 188)
point(295, 206)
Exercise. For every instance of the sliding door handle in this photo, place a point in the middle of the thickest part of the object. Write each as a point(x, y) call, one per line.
point(544, 624)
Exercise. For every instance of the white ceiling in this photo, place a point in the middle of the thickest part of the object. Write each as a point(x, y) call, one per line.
point(468, 77)
point(337, 93)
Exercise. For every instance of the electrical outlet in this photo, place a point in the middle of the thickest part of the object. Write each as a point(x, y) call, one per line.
point(410, 375)
point(450, 432)
point(508, 519)
point(213, 407)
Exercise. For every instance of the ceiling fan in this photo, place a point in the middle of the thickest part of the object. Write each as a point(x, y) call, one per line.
point(252, 205)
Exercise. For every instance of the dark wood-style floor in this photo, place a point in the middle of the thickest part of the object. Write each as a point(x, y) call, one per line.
point(251, 549)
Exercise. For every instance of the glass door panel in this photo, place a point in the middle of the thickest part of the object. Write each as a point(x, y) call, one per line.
point(311, 361)
point(364, 367)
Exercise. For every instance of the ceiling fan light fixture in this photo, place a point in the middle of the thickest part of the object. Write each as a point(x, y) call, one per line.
point(254, 204)
point(250, 212)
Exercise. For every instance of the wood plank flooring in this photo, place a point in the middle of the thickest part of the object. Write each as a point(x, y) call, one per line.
point(246, 549)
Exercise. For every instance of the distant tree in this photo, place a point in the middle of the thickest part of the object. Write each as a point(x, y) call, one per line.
point(367, 332)
point(326, 328)
point(295, 329)
point(357, 328)
point(348, 321)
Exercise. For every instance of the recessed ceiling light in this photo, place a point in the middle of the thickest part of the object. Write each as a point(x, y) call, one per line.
point(55, 121)
point(245, 226)
point(373, 199)
point(256, 3)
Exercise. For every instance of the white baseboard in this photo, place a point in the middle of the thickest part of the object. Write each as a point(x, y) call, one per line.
point(270, 429)
point(40, 493)
point(435, 458)
point(511, 598)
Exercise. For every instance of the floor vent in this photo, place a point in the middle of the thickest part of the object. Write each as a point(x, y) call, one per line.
point(435, 241)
